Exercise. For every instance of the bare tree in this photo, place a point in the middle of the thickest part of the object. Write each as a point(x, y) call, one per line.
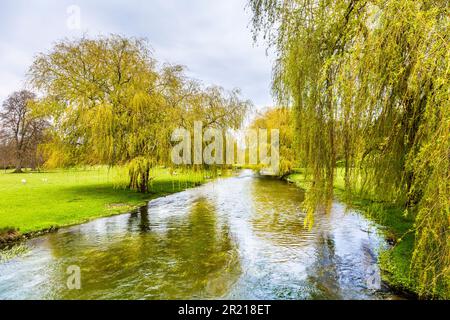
point(20, 128)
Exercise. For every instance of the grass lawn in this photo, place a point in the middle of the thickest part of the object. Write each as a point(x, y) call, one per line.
point(395, 262)
point(31, 202)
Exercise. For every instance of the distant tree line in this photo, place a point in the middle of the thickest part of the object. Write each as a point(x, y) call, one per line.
point(282, 119)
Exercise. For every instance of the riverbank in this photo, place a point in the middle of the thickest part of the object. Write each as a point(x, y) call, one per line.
point(398, 229)
point(35, 203)
point(235, 238)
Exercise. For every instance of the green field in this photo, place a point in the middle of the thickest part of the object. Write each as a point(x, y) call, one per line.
point(31, 202)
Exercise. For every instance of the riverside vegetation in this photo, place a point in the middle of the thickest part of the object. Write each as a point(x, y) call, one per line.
point(368, 85)
point(105, 102)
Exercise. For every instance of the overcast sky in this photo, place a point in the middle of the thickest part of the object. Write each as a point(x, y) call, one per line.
point(212, 38)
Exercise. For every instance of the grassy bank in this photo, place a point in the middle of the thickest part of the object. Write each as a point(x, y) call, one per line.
point(32, 202)
point(395, 262)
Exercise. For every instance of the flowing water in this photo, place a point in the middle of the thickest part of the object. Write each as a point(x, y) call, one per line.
point(234, 238)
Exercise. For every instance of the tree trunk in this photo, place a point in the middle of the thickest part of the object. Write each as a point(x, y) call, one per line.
point(33, 163)
point(18, 167)
point(18, 164)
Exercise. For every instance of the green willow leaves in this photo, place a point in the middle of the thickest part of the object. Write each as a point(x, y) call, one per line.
point(111, 103)
point(369, 83)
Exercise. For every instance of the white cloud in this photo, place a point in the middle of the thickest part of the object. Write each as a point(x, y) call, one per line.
point(210, 37)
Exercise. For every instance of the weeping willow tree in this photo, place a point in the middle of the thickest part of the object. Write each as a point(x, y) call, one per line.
point(111, 103)
point(369, 82)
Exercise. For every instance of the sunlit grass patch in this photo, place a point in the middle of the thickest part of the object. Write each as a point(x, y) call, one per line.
point(32, 202)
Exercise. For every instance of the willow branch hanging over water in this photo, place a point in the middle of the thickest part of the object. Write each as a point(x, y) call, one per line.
point(369, 83)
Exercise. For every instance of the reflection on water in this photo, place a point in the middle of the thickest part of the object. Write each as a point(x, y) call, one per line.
point(237, 238)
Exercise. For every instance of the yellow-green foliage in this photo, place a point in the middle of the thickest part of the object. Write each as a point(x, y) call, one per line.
point(281, 119)
point(369, 82)
point(139, 173)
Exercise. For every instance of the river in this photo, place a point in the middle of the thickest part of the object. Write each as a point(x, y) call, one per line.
point(234, 238)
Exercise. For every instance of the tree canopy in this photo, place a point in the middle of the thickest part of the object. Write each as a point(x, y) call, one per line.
point(369, 83)
point(112, 103)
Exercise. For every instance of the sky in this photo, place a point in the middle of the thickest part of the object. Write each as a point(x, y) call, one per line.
point(212, 38)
